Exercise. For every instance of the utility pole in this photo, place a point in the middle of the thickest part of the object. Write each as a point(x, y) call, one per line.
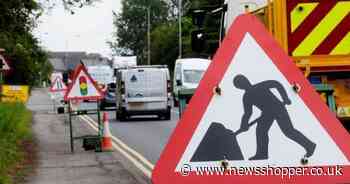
point(39, 78)
point(180, 28)
point(149, 34)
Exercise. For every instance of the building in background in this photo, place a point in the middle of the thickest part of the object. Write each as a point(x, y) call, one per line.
point(67, 61)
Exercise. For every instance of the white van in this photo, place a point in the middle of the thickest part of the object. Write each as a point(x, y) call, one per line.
point(143, 90)
point(187, 74)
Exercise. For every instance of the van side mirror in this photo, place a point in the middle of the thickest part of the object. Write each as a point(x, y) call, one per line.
point(178, 82)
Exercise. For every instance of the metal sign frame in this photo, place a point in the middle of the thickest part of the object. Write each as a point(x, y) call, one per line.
point(79, 112)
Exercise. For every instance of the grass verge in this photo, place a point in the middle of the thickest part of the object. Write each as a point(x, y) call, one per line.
point(15, 136)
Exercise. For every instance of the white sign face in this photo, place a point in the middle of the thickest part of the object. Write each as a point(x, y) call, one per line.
point(83, 87)
point(5, 65)
point(285, 131)
point(55, 75)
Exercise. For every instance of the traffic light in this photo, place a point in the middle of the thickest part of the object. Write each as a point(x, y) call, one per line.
point(198, 17)
point(198, 40)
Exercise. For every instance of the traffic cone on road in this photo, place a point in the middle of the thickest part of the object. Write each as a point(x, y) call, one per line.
point(106, 139)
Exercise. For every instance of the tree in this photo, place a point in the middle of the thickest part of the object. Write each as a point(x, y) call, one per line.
point(17, 19)
point(69, 5)
point(130, 37)
point(165, 48)
point(131, 25)
point(165, 44)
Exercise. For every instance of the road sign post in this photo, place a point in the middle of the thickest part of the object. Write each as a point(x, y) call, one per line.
point(71, 128)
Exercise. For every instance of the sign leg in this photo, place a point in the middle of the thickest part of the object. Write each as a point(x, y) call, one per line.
point(99, 120)
point(71, 128)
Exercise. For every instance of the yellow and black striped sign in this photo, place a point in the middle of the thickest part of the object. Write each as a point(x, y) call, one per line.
point(318, 27)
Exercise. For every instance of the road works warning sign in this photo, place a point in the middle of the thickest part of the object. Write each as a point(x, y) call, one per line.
point(3, 63)
point(254, 109)
point(58, 85)
point(83, 87)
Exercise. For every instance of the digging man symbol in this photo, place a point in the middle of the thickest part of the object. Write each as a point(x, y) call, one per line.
point(272, 109)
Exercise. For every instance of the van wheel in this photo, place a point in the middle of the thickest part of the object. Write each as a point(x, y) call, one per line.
point(121, 115)
point(117, 115)
point(122, 118)
point(167, 115)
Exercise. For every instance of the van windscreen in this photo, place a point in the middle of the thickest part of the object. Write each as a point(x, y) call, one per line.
point(193, 76)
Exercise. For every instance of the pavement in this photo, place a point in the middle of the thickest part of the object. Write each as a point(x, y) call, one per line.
point(56, 163)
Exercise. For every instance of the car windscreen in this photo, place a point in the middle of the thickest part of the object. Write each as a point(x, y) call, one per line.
point(193, 76)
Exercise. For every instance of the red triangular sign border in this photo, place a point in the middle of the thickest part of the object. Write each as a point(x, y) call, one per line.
point(164, 171)
point(5, 63)
point(81, 68)
point(57, 90)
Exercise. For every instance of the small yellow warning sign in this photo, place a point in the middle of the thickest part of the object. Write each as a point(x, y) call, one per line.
point(15, 93)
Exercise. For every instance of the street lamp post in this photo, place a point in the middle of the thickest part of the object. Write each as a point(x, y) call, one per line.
point(40, 79)
point(149, 34)
point(180, 28)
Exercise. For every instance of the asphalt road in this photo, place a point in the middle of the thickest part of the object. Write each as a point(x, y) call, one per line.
point(147, 134)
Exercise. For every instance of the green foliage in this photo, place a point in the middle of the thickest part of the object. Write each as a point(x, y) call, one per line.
point(164, 44)
point(131, 26)
point(15, 126)
point(28, 60)
point(71, 6)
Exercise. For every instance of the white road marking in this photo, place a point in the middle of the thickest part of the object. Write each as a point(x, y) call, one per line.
point(136, 158)
point(127, 148)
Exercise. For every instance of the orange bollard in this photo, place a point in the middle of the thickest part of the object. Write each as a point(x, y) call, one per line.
point(107, 139)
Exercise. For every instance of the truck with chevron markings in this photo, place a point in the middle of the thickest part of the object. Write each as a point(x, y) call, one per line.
point(316, 34)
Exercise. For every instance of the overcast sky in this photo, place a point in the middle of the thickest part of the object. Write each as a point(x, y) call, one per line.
point(87, 30)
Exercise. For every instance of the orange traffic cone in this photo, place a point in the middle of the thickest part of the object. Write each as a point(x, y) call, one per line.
point(107, 139)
